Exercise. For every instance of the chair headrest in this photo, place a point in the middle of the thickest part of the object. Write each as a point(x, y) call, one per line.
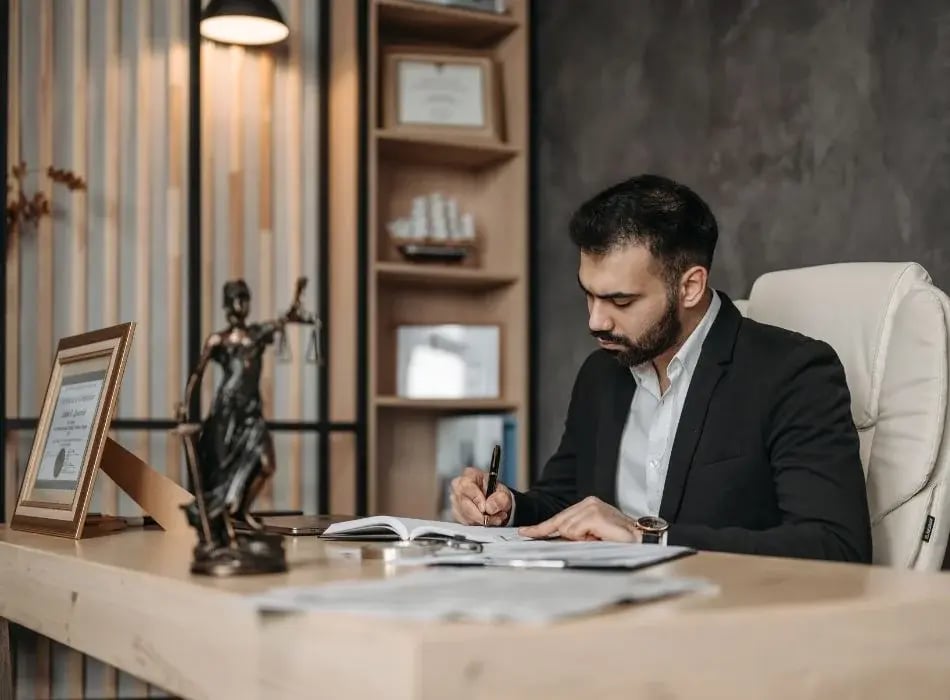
point(816, 300)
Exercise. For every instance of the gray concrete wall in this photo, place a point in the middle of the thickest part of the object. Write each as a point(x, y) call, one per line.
point(818, 131)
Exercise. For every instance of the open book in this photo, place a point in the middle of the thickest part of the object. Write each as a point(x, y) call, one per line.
point(389, 527)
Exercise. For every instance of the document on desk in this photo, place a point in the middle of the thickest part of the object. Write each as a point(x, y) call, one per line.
point(481, 594)
point(407, 529)
point(539, 554)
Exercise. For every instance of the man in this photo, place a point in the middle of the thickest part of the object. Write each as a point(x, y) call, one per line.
point(691, 423)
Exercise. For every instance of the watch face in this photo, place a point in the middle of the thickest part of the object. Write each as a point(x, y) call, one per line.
point(650, 522)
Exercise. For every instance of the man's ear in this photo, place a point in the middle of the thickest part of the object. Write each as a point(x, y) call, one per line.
point(693, 284)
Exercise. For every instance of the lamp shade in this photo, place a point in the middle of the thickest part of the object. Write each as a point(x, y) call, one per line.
point(249, 22)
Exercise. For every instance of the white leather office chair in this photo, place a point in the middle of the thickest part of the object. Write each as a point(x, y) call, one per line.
point(890, 327)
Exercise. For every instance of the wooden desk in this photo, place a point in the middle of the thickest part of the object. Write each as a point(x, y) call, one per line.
point(779, 628)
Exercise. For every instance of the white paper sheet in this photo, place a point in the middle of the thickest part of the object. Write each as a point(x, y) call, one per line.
point(480, 594)
point(559, 554)
point(410, 528)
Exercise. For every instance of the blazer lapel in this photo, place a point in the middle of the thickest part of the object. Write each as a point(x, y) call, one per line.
point(715, 355)
point(613, 418)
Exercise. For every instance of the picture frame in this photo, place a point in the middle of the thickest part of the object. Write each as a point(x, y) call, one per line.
point(72, 431)
point(455, 93)
point(448, 361)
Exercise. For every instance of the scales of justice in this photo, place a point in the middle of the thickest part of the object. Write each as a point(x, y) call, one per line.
point(230, 453)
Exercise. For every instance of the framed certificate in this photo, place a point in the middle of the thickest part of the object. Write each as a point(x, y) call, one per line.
point(448, 361)
point(455, 93)
point(72, 431)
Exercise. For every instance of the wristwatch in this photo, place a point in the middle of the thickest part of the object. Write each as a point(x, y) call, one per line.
point(653, 529)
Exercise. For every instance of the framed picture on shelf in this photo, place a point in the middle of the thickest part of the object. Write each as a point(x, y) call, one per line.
point(453, 92)
point(72, 431)
point(448, 361)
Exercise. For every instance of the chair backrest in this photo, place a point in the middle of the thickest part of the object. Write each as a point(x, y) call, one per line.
point(890, 326)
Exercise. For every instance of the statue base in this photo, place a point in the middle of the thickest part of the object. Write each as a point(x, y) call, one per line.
point(251, 553)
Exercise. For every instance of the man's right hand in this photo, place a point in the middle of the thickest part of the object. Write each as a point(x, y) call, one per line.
point(469, 505)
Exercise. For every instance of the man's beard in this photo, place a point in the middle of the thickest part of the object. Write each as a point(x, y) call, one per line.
point(657, 339)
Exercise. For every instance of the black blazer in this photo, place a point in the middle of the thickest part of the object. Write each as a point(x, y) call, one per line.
point(765, 458)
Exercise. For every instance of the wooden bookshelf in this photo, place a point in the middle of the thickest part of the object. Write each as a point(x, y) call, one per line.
point(448, 406)
point(436, 149)
point(442, 23)
point(433, 276)
point(489, 179)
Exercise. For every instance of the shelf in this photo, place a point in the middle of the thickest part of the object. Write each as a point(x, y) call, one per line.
point(446, 405)
point(425, 274)
point(487, 174)
point(439, 150)
point(445, 24)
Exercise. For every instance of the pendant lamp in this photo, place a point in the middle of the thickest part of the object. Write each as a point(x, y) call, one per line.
point(248, 22)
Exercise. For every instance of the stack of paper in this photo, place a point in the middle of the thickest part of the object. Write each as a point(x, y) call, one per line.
point(538, 554)
point(479, 594)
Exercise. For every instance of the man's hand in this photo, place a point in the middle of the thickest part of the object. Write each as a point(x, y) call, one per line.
point(468, 500)
point(591, 519)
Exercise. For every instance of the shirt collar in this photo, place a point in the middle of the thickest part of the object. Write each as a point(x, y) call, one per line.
point(687, 357)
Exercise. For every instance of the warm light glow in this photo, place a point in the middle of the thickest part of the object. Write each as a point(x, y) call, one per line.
point(243, 29)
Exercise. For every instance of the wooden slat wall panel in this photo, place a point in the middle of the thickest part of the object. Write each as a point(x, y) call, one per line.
point(108, 495)
point(12, 262)
point(43, 292)
point(342, 168)
point(107, 97)
point(103, 178)
point(175, 213)
point(259, 212)
point(265, 226)
point(306, 485)
point(87, 77)
point(296, 265)
point(68, 664)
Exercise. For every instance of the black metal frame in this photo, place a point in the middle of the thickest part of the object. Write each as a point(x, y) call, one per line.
point(362, 246)
point(533, 244)
point(4, 89)
point(323, 249)
point(195, 340)
point(322, 427)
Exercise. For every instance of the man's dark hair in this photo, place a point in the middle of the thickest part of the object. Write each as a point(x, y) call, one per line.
point(669, 218)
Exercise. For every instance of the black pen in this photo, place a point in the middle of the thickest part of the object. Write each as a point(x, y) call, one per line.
point(492, 476)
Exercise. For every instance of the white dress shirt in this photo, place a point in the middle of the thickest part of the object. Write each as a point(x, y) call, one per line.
point(651, 424)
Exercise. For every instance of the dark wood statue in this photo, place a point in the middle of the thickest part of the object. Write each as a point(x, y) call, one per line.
point(230, 453)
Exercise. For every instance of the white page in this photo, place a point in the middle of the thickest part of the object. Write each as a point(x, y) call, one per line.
point(416, 527)
point(480, 594)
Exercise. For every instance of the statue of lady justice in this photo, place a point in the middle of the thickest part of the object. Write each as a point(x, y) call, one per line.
point(233, 455)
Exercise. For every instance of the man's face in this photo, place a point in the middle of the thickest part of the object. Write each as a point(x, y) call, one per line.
point(632, 311)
